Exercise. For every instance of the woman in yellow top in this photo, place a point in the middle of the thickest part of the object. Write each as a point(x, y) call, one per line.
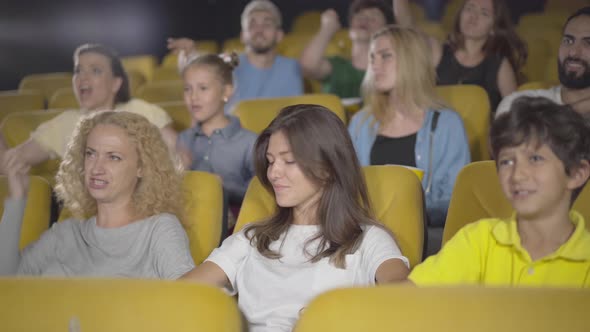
point(100, 83)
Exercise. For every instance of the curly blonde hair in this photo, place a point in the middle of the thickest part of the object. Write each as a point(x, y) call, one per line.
point(160, 188)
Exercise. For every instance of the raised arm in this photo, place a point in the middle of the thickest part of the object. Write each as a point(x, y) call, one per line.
point(403, 17)
point(12, 218)
point(23, 156)
point(186, 49)
point(402, 13)
point(313, 63)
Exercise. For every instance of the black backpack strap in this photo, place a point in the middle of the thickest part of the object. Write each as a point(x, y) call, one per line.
point(434, 121)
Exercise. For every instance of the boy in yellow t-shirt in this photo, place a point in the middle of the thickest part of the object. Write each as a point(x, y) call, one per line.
point(542, 153)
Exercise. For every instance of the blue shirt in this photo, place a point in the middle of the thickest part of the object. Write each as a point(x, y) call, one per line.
point(449, 150)
point(228, 152)
point(282, 79)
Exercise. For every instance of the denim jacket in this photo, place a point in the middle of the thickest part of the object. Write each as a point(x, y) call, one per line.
point(449, 151)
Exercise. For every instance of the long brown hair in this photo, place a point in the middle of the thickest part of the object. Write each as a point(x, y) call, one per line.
point(323, 150)
point(503, 41)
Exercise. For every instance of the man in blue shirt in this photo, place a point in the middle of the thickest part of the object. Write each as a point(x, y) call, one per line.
point(261, 73)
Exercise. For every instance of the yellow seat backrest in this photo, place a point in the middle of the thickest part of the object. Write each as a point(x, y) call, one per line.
point(472, 104)
point(63, 98)
point(233, 45)
point(204, 212)
point(144, 64)
point(16, 129)
point(166, 74)
point(37, 211)
point(457, 309)
point(98, 305)
point(477, 194)
point(18, 101)
point(181, 118)
point(256, 114)
point(396, 196)
point(47, 84)
point(162, 91)
point(307, 23)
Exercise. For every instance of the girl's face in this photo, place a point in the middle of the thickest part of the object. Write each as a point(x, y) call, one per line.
point(204, 93)
point(477, 19)
point(383, 64)
point(94, 84)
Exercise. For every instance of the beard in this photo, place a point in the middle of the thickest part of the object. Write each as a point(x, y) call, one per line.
point(261, 46)
point(572, 80)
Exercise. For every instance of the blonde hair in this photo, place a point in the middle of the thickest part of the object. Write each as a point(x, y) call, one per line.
point(159, 189)
point(258, 6)
point(415, 73)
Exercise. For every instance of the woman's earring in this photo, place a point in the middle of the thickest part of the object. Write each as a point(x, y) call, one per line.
point(225, 99)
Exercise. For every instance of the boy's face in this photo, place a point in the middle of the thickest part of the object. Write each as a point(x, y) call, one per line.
point(534, 180)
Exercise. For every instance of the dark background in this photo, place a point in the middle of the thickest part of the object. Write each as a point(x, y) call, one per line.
point(40, 36)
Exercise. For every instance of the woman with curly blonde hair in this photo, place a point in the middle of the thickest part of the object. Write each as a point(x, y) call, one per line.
point(122, 186)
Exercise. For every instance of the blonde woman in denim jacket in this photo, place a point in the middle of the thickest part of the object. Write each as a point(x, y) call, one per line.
point(404, 123)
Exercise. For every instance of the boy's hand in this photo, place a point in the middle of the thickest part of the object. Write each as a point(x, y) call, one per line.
point(330, 23)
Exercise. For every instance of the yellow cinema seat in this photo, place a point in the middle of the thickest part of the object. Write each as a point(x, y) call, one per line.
point(456, 309)
point(18, 101)
point(162, 91)
point(166, 74)
point(233, 45)
point(47, 84)
point(256, 114)
point(477, 194)
point(16, 129)
point(396, 196)
point(181, 118)
point(99, 305)
point(203, 212)
point(144, 64)
point(37, 211)
point(63, 98)
point(472, 104)
point(307, 23)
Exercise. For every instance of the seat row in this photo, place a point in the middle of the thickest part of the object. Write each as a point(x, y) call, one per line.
point(88, 305)
point(394, 191)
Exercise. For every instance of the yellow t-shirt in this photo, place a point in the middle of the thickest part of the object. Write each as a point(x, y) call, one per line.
point(55, 134)
point(489, 252)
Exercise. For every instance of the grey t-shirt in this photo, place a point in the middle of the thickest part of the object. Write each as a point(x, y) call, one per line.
point(156, 247)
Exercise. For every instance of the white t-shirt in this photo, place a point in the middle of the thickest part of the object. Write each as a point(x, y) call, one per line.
point(553, 94)
point(272, 292)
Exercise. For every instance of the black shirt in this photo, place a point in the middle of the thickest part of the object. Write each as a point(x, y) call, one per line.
point(394, 150)
point(450, 71)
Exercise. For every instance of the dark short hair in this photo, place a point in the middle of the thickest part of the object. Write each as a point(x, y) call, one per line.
point(579, 12)
point(540, 120)
point(358, 5)
point(123, 95)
